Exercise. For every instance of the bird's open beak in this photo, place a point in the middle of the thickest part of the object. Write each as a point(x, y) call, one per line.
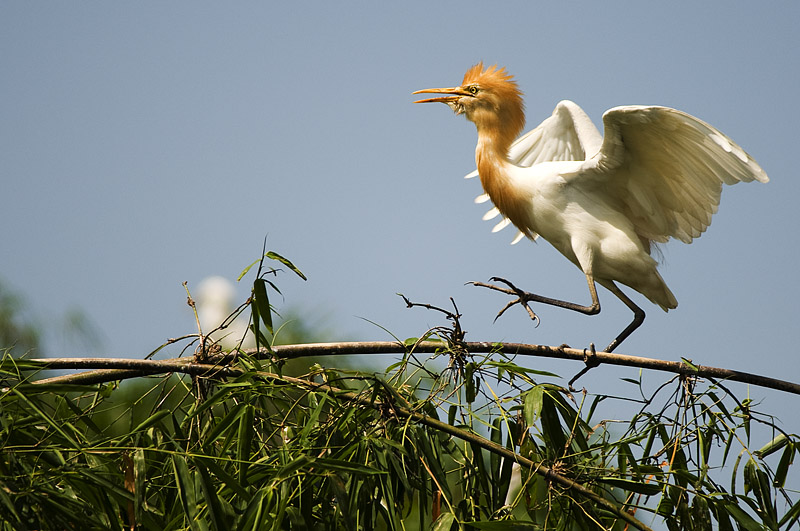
point(455, 94)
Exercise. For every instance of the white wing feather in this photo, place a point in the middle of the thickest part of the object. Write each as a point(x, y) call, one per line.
point(568, 134)
point(667, 168)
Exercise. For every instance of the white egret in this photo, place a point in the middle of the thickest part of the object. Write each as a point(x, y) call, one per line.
point(601, 201)
point(216, 298)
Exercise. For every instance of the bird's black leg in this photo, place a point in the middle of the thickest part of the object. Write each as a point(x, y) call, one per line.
point(638, 317)
point(524, 297)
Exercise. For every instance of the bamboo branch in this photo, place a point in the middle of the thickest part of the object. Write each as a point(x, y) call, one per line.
point(113, 366)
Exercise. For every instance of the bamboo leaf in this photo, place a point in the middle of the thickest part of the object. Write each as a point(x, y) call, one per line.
point(444, 522)
point(293, 466)
point(244, 440)
point(700, 514)
point(211, 498)
point(628, 485)
point(285, 261)
point(787, 458)
point(341, 465)
point(533, 405)
point(505, 525)
point(151, 420)
point(186, 492)
point(744, 520)
point(773, 446)
point(552, 431)
point(791, 516)
point(261, 303)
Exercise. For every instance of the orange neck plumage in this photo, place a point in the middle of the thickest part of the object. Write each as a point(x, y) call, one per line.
point(512, 202)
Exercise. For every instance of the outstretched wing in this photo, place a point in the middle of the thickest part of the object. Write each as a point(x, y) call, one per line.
point(667, 169)
point(568, 134)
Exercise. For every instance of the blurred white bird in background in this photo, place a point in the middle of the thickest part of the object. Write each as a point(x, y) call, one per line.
point(216, 301)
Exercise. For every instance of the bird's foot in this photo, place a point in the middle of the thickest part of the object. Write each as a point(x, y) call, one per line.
point(591, 361)
point(523, 297)
point(590, 357)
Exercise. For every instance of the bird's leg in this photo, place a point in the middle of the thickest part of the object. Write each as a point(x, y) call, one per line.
point(524, 297)
point(591, 360)
point(638, 317)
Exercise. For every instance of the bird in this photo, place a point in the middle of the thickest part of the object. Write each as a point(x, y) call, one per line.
point(216, 307)
point(603, 201)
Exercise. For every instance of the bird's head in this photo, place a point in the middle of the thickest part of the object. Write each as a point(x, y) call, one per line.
point(488, 97)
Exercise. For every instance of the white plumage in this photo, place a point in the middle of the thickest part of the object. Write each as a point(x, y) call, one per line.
point(602, 201)
point(676, 163)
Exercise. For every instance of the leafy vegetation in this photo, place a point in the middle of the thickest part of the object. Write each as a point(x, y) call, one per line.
point(453, 440)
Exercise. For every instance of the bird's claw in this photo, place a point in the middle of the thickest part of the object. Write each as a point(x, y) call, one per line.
point(591, 361)
point(590, 358)
point(524, 304)
point(522, 297)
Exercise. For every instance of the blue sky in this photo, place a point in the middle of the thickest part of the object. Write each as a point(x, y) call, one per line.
point(149, 144)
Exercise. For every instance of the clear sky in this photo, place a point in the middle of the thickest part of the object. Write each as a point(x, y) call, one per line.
point(144, 144)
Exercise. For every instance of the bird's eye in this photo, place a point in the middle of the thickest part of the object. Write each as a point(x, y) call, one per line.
point(473, 90)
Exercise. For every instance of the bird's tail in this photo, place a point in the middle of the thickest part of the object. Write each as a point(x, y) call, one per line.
point(661, 295)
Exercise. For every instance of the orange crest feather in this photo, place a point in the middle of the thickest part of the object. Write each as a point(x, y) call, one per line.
point(502, 84)
point(492, 75)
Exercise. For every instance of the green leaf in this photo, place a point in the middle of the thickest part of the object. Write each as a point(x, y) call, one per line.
point(773, 446)
point(444, 522)
point(744, 520)
point(791, 516)
point(244, 439)
point(293, 466)
point(246, 269)
point(451, 414)
point(211, 498)
point(700, 515)
point(230, 482)
point(787, 458)
point(285, 261)
point(152, 419)
point(505, 525)
point(533, 405)
point(689, 364)
point(261, 303)
point(341, 465)
point(552, 431)
point(470, 382)
point(221, 426)
point(186, 492)
point(258, 509)
point(628, 485)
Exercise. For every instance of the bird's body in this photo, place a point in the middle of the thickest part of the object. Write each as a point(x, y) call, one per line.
point(581, 219)
point(601, 201)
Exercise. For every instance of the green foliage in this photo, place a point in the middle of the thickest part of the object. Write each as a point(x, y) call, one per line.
point(17, 331)
point(341, 450)
point(454, 441)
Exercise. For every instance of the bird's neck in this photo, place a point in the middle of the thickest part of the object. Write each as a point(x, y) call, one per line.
point(494, 169)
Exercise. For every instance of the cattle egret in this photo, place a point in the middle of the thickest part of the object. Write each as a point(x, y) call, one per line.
point(215, 304)
point(601, 201)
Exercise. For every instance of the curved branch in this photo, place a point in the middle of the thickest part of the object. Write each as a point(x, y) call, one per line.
point(391, 347)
